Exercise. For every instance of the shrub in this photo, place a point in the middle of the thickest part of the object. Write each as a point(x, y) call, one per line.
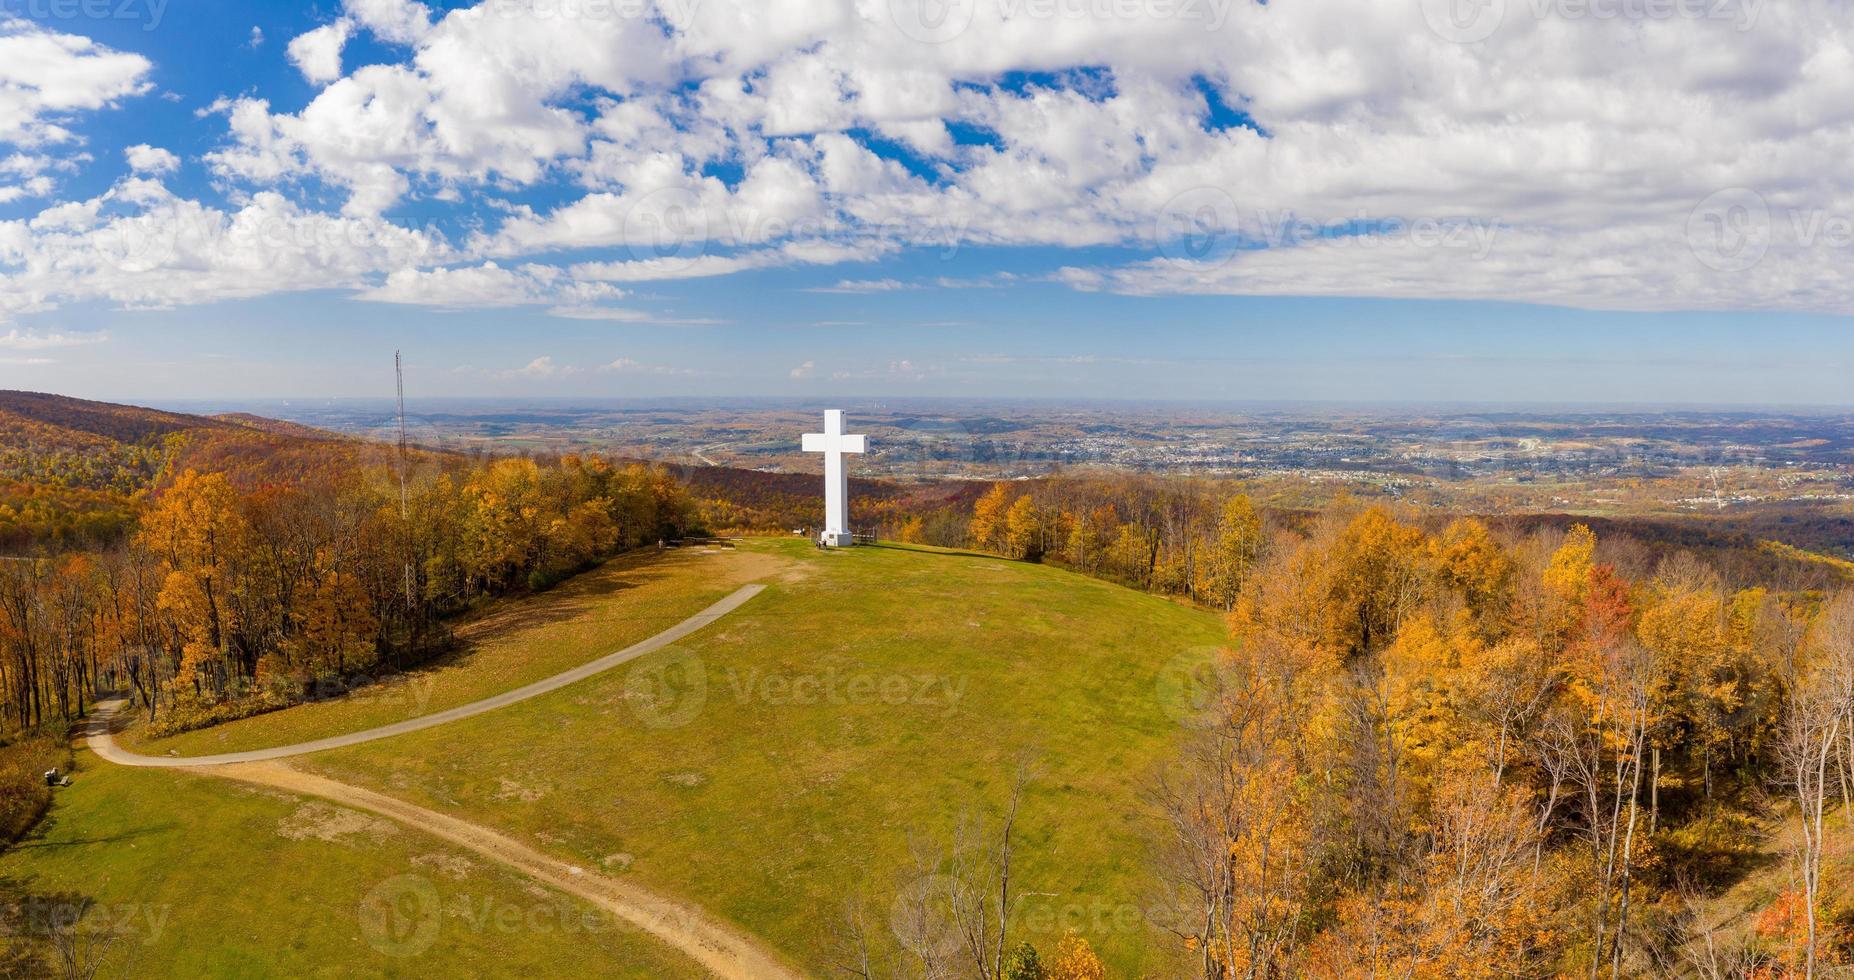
point(190, 713)
point(1024, 964)
point(24, 797)
point(1710, 851)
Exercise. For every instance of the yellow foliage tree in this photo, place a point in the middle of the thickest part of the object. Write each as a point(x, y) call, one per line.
point(1021, 525)
point(1075, 960)
point(1237, 547)
point(989, 514)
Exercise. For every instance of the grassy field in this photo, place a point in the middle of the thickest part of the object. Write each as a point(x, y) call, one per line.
point(795, 754)
point(204, 877)
point(510, 644)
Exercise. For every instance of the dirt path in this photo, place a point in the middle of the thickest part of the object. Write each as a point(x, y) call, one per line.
point(105, 744)
point(724, 950)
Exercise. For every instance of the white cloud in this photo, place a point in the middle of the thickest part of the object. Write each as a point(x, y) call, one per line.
point(805, 370)
point(730, 136)
point(317, 54)
point(140, 247)
point(46, 75)
point(625, 365)
point(17, 339)
point(145, 159)
point(540, 367)
point(398, 21)
point(617, 314)
point(486, 285)
point(884, 285)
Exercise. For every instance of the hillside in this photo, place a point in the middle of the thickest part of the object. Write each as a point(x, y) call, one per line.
point(73, 470)
point(868, 703)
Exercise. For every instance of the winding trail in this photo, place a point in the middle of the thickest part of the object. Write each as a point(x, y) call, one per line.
point(105, 745)
point(718, 946)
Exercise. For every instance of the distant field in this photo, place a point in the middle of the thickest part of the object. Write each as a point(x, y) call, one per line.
point(860, 705)
point(511, 644)
point(208, 878)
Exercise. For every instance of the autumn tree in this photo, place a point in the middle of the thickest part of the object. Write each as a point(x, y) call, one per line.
point(1021, 526)
point(990, 517)
point(1232, 554)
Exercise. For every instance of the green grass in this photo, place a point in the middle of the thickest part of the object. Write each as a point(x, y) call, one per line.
point(766, 799)
point(510, 644)
point(210, 878)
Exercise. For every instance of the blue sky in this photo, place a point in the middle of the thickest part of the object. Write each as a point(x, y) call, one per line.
point(1083, 219)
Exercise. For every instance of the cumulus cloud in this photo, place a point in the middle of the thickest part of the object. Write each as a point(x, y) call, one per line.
point(26, 175)
point(145, 159)
point(540, 367)
point(1680, 156)
point(17, 339)
point(141, 247)
point(45, 75)
point(486, 285)
point(317, 54)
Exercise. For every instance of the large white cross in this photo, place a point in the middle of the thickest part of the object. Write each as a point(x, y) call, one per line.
point(833, 444)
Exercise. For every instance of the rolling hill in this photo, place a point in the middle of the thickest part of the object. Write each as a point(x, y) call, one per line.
point(866, 706)
point(72, 471)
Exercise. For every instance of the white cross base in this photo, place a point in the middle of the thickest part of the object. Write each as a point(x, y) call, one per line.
point(833, 444)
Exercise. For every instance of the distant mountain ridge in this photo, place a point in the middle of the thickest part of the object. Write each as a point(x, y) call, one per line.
point(72, 470)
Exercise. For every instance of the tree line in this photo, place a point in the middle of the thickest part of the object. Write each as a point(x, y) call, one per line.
point(1435, 751)
point(225, 600)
